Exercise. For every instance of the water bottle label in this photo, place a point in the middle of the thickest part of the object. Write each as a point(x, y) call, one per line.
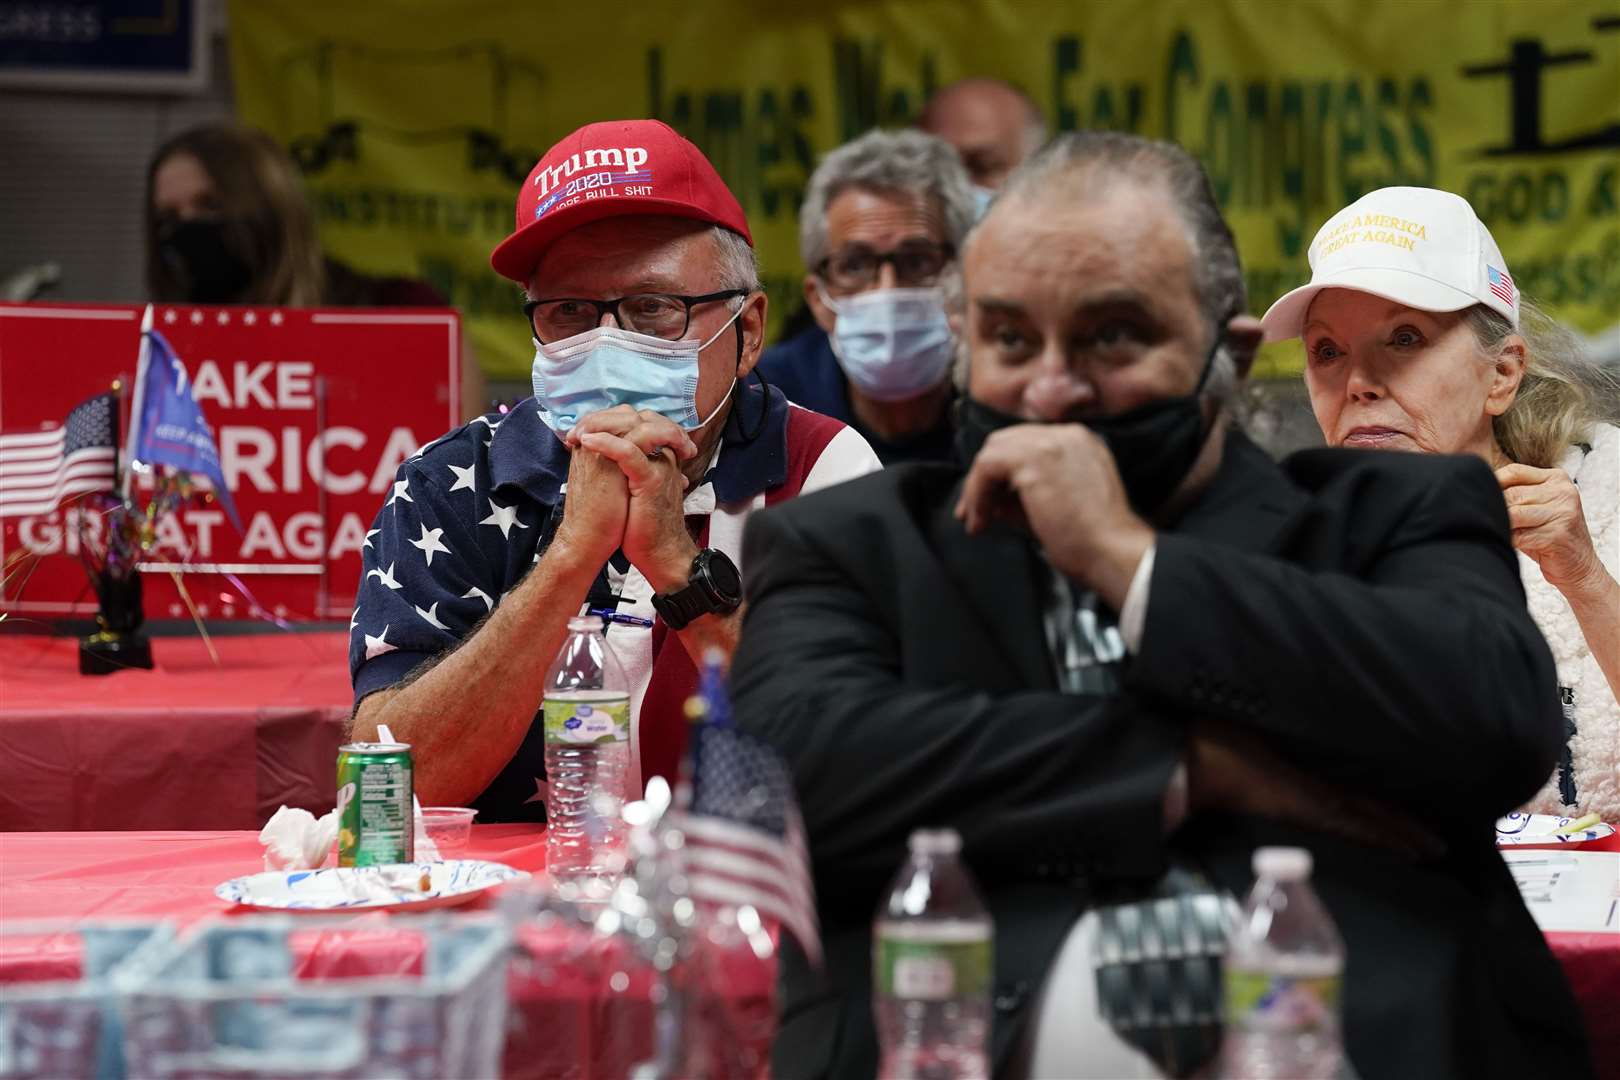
point(933, 971)
point(1280, 1003)
point(576, 723)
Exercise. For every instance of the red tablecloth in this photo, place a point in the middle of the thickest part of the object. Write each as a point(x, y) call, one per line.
point(1592, 964)
point(173, 874)
point(169, 875)
point(189, 745)
point(579, 1007)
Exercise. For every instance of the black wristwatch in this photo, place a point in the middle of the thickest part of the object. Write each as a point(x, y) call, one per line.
point(715, 588)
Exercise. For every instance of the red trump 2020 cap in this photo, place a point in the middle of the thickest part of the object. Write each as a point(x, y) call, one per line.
point(607, 169)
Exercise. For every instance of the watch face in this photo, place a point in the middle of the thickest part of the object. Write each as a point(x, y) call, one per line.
point(724, 577)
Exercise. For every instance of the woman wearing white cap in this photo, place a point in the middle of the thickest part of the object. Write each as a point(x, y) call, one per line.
point(1416, 338)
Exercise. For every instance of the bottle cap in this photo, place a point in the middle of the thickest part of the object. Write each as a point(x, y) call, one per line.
point(587, 623)
point(1282, 863)
point(935, 842)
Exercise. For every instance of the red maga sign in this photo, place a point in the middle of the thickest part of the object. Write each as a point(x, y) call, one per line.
point(313, 411)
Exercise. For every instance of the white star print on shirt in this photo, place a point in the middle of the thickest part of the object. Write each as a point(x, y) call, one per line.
point(385, 576)
point(464, 478)
point(354, 620)
point(489, 605)
point(432, 616)
point(376, 646)
point(428, 543)
point(367, 541)
point(503, 516)
point(402, 490)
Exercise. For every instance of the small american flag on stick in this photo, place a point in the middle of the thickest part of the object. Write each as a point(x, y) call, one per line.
point(745, 841)
point(39, 470)
point(1500, 284)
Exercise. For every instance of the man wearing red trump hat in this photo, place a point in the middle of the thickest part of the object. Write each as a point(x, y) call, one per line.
point(620, 487)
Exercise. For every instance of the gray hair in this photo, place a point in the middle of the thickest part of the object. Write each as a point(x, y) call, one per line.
point(739, 262)
point(1112, 156)
point(903, 162)
point(1564, 393)
point(1073, 158)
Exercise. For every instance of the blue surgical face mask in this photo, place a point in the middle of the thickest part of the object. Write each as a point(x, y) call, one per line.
point(893, 344)
point(608, 366)
point(982, 198)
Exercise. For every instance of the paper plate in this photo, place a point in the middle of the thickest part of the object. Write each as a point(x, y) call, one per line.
point(1543, 830)
point(349, 888)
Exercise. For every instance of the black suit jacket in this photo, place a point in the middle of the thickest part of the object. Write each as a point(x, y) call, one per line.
point(1361, 611)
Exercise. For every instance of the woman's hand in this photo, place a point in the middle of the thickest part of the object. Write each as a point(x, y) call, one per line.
point(1544, 510)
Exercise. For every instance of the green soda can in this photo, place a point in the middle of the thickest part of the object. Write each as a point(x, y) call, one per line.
point(376, 825)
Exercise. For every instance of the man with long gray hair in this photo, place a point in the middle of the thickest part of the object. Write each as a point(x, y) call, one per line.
point(1118, 650)
point(883, 219)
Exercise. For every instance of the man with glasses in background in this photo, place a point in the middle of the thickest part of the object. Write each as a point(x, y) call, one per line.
point(883, 218)
point(620, 487)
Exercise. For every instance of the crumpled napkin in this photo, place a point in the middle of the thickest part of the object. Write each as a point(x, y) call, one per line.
point(294, 839)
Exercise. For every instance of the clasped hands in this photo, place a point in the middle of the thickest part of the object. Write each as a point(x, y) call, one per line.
point(1059, 483)
point(625, 492)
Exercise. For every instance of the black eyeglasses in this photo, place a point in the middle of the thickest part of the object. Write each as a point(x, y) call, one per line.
point(662, 315)
point(857, 266)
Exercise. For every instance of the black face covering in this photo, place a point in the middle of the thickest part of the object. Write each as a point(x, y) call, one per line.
point(196, 252)
point(1154, 445)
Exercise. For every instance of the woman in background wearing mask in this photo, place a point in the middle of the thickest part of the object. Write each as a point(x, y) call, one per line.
point(1416, 339)
point(227, 223)
point(882, 221)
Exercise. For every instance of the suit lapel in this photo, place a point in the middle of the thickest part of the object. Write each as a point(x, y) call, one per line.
point(1000, 574)
point(1249, 506)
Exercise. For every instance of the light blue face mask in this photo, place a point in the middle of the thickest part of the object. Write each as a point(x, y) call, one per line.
point(982, 198)
point(893, 344)
point(609, 366)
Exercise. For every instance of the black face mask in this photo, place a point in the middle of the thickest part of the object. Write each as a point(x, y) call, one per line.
point(1154, 445)
point(208, 271)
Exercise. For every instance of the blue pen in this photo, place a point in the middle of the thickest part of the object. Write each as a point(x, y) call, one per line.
point(613, 616)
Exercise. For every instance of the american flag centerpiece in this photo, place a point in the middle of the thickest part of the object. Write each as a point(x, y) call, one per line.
point(167, 426)
point(39, 470)
point(730, 851)
point(744, 837)
point(78, 462)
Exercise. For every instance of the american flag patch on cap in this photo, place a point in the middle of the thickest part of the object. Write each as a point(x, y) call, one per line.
point(1501, 284)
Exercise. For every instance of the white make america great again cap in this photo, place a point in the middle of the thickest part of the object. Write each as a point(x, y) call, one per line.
point(1416, 246)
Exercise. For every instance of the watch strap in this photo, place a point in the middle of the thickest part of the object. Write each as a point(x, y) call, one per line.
point(698, 598)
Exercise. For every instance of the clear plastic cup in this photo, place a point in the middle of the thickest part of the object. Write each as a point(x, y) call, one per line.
point(449, 828)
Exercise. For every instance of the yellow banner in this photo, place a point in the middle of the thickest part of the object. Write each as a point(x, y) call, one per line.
point(415, 122)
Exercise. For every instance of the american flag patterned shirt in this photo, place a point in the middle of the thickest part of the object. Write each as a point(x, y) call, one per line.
point(470, 514)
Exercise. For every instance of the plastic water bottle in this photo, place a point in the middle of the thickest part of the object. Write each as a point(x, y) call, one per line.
point(931, 966)
point(1284, 964)
point(586, 713)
